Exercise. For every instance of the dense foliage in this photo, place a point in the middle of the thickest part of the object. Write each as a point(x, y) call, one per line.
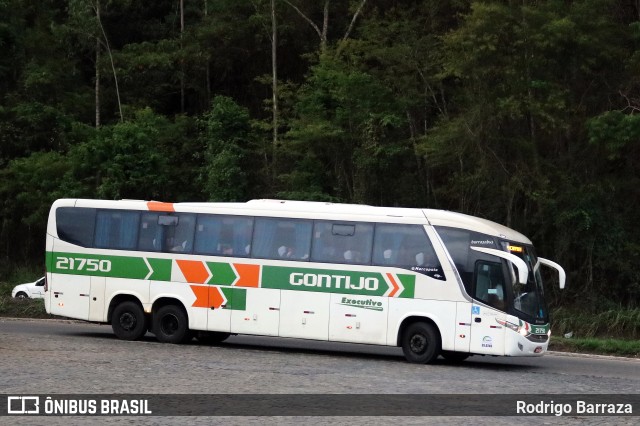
point(525, 113)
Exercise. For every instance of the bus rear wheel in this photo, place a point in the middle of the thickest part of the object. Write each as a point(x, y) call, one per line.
point(421, 343)
point(129, 321)
point(171, 325)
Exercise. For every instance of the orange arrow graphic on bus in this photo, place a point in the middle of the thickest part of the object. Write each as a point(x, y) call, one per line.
point(207, 296)
point(394, 284)
point(248, 275)
point(194, 271)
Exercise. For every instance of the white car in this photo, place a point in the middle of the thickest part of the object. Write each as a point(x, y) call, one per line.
point(34, 290)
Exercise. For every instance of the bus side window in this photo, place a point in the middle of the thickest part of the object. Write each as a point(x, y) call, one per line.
point(223, 235)
point(179, 236)
point(117, 229)
point(151, 234)
point(207, 236)
point(342, 242)
point(275, 238)
point(75, 225)
point(404, 246)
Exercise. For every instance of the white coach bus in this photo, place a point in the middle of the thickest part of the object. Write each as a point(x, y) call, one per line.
point(433, 282)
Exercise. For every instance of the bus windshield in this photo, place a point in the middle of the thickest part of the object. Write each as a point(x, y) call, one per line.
point(528, 299)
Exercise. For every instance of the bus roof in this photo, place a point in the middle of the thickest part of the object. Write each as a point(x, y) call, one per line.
point(460, 220)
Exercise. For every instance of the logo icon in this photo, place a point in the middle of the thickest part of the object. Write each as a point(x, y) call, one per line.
point(475, 310)
point(23, 405)
point(487, 342)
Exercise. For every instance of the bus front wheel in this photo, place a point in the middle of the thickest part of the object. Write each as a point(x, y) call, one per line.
point(171, 325)
point(128, 321)
point(421, 343)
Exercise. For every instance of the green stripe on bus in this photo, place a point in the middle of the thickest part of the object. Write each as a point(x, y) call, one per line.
point(111, 266)
point(223, 274)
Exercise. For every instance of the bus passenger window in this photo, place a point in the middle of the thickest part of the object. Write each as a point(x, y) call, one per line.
point(169, 233)
point(179, 237)
point(406, 246)
point(151, 234)
point(117, 229)
point(75, 225)
point(342, 242)
point(223, 235)
point(275, 238)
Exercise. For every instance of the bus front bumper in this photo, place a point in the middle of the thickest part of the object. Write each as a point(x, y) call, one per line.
point(532, 345)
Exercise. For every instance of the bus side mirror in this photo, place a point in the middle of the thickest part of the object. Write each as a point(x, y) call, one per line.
point(562, 276)
point(521, 266)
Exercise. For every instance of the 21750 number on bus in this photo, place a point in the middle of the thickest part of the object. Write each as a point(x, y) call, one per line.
point(81, 264)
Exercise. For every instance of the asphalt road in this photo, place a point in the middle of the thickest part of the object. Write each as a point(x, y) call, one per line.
point(70, 357)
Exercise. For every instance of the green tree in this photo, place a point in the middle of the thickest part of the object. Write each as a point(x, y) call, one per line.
point(226, 134)
point(339, 143)
point(28, 187)
point(513, 146)
point(124, 160)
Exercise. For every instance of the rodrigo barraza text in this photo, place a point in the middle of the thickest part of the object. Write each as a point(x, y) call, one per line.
point(576, 407)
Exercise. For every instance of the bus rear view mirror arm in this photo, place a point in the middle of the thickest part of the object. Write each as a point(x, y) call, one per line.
point(562, 275)
point(521, 266)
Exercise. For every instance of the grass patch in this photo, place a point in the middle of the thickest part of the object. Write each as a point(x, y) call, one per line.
point(619, 323)
point(617, 347)
point(22, 308)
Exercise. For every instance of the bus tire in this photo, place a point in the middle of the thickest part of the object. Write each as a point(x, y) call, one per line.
point(211, 337)
point(170, 324)
point(456, 357)
point(129, 321)
point(421, 343)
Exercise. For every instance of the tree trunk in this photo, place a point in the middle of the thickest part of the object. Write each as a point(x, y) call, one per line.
point(181, 58)
point(113, 66)
point(207, 66)
point(98, 70)
point(325, 27)
point(274, 75)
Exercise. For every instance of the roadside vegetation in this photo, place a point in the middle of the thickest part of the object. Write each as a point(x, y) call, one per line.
point(20, 308)
point(610, 331)
point(615, 322)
